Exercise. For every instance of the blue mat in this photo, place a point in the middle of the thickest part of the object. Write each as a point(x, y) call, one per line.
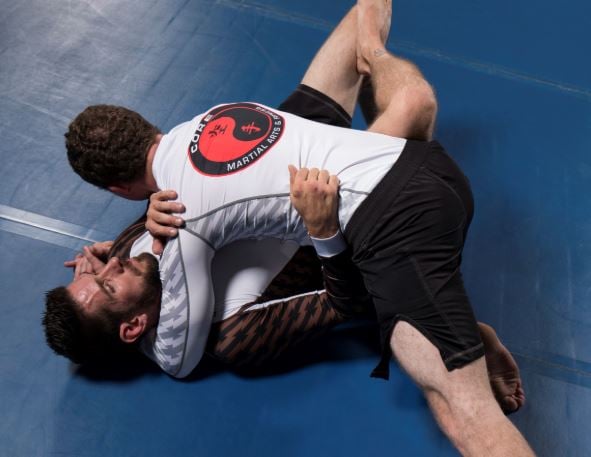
point(515, 105)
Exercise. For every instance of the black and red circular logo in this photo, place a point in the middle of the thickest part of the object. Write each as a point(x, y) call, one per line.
point(232, 137)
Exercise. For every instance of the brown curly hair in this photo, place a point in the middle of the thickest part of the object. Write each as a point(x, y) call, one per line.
point(108, 145)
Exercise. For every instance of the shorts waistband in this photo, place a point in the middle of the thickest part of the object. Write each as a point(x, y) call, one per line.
point(309, 103)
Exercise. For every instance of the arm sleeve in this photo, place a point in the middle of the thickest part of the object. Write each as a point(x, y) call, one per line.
point(342, 280)
point(344, 285)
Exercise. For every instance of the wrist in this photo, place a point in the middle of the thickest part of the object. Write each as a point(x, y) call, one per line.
point(329, 246)
point(321, 232)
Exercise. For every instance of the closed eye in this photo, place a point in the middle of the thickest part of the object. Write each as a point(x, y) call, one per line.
point(105, 287)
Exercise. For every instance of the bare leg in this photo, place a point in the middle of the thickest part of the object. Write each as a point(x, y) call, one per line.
point(405, 102)
point(461, 400)
point(503, 371)
point(374, 18)
point(333, 71)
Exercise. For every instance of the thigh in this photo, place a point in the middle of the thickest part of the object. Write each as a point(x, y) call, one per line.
point(428, 296)
point(420, 360)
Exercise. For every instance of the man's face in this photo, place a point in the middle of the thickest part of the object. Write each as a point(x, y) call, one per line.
point(118, 287)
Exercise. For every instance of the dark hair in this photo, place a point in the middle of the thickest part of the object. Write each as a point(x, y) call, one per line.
point(108, 145)
point(82, 338)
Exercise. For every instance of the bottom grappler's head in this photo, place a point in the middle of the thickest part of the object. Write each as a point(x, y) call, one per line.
point(100, 317)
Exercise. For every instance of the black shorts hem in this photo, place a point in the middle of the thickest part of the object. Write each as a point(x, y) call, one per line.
point(313, 105)
point(464, 357)
point(451, 361)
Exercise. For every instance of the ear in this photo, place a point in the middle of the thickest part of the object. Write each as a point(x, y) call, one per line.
point(131, 330)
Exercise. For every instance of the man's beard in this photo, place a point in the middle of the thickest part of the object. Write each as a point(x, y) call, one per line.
point(149, 300)
point(109, 320)
point(151, 276)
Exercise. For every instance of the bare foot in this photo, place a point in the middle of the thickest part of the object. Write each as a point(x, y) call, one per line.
point(503, 371)
point(373, 26)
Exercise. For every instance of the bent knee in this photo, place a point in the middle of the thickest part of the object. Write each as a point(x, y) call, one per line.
point(411, 113)
point(420, 107)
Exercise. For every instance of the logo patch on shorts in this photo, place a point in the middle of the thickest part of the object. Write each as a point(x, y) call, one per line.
point(232, 137)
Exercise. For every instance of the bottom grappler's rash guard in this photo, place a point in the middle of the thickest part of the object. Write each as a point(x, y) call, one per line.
point(253, 326)
point(229, 168)
point(292, 310)
point(180, 341)
point(241, 272)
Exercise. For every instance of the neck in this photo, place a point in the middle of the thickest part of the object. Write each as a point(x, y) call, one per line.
point(150, 181)
point(154, 316)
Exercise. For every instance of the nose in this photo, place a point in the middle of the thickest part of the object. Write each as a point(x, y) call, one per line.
point(113, 266)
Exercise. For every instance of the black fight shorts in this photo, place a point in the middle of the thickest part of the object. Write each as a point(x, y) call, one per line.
point(313, 105)
point(407, 239)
